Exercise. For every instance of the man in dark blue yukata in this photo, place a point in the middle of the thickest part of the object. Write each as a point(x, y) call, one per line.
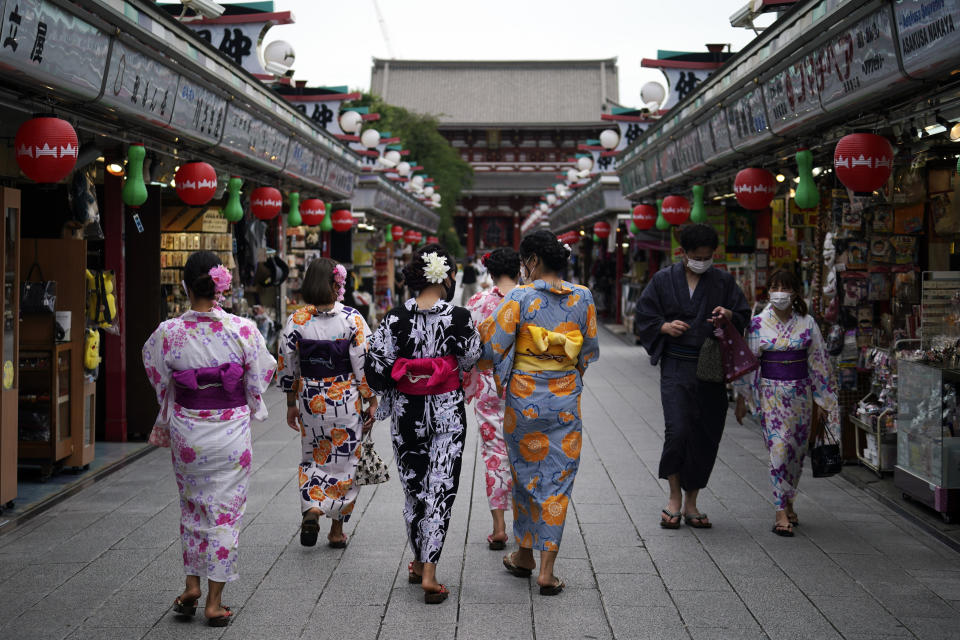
point(676, 312)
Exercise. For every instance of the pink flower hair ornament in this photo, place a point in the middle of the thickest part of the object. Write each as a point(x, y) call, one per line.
point(340, 277)
point(221, 280)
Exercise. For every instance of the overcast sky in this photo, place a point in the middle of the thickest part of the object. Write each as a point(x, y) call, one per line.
point(335, 41)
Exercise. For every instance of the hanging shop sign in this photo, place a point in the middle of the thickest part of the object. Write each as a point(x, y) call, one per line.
point(689, 151)
point(928, 33)
point(303, 163)
point(339, 178)
point(792, 94)
point(198, 113)
point(860, 62)
point(669, 162)
point(140, 86)
point(49, 46)
point(748, 120)
point(247, 135)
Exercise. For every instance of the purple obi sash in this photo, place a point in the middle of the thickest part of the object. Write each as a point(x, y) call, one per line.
point(210, 387)
point(784, 365)
point(325, 358)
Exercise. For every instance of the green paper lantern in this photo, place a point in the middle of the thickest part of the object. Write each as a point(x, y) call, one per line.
point(233, 212)
point(596, 238)
point(807, 196)
point(293, 217)
point(388, 236)
point(634, 229)
point(698, 213)
point(134, 192)
point(662, 223)
point(327, 223)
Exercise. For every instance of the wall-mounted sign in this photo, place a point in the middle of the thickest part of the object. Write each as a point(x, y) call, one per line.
point(303, 163)
point(748, 120)
point(690, 151)
point(139, 85)
point(928, 32)
point(251, 137)
point(339, 178)
point(721, 133)
point(198, 113)
point(44, 44)
point(792, 94)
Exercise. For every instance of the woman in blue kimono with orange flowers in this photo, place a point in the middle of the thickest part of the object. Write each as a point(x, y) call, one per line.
point(541, 339)
point(322, 355)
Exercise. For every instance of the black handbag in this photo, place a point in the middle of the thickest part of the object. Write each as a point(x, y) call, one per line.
point(710, 361)
point(38, 296)
point(825, 459)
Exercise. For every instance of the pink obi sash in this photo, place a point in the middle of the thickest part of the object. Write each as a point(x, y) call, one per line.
point(426, 376)
point(210, 387)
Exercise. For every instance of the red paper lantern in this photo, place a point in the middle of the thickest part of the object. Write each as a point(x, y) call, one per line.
point(46, 149)
point(574, 238)
point(433, 240)
point(755, 188)
point(675, 209)
point(342, 220)
point(602, 229)
point(410, 236)
point(863, 161)
point(397, 233)
point(312, 210)
point(196, 183)
point(644, 216)
point(265, 202)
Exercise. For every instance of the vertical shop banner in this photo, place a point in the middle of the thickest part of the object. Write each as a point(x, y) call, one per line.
point(928, 32)
point(139, 86)
point(681, 83)
point(50, 46)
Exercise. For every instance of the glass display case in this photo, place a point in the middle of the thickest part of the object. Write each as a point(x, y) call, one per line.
point(928, 437)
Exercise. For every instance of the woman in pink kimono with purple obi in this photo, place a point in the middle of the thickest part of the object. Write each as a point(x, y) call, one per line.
point(209, 369)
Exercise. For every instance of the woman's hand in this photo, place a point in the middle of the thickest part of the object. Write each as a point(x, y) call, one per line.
point(816, 423)
point(674, 329)
point(293, 417)
point(370, 415)
point(741, 409)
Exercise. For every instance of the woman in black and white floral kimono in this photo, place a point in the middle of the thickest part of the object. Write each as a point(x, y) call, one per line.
point(416, 360)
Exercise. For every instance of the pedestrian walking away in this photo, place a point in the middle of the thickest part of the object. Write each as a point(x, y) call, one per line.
point(791, 391)
point(415, 359)
point(541, 339)
point(503, 265)
point(322, 354)
point(468, 279)
point(676, 312)
point(209, 369)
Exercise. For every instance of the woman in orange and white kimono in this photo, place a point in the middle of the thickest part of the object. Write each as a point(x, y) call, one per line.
point(541, 339)
point(322, 354)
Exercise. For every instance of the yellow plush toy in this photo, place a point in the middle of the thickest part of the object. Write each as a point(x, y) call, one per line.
point(101, 300)
point(91, 351)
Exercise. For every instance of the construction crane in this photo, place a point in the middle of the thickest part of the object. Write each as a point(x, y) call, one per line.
point(383, 30)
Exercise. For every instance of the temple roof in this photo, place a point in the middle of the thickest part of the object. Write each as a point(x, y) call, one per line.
point(500, 93)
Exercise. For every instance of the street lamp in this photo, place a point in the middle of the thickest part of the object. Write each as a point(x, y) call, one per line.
point(403, 169)
point(609, 139)
point(572, 175)
point(392, 157)
point(350, 121)
point(551, 199)
point(370, 138)
point(428, 191)
point(652, 95)
point(584, 163)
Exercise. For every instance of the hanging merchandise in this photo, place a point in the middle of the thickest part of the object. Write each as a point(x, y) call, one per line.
point(644, 216)
point(46, 149)
point(807, 195)
point(675, 209)
point(196, 183)
point(134, 191)
point(662, 224)
point(342, 220)
point(698, 213)
point(101, 300)
point(91, 351)
point(233, 212)
point(293, 209)
point(410, 236)
point(265, 203)
point(326, 224)
point(601, 229)
point(312, 211)
point(863, 161)
point(755, 188)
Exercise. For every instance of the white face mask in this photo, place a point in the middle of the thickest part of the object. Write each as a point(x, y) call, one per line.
point(781, 299)
point(699, 266)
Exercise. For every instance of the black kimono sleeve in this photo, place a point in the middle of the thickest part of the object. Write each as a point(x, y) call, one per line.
point(381, 355)
point(650, 316)
point(466, 346)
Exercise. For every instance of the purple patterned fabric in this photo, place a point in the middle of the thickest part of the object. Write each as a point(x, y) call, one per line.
point(210, 387)
point(785, 365)
point(321, 359)
point(738, 359)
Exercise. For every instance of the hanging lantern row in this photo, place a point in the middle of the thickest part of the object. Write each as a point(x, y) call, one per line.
point(755, 188)
point(46, 149)
point(196, 183)
point(602, 229)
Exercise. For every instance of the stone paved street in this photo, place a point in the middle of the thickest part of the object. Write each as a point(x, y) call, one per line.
point(106, 563)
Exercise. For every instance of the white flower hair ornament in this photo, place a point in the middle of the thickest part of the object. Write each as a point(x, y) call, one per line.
point(435, 268)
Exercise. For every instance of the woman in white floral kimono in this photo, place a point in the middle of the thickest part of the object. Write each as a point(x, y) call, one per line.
point(209, 369)
point(415, 361)
point(322, 353)
point(791, 391)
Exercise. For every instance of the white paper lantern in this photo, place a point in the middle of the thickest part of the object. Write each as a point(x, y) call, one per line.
point(428, 191)
point(370, 138)
point(571, 175)
point(544, 207)
point(392, 156)
point(584, 163)
point(435, 198)
point(653, 92)
point(609, 139)
point(551, 199)
point(278, 57)
point(403, 169)
point(417, 181)
point(350, 121)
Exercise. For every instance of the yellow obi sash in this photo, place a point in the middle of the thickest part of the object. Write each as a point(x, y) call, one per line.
point(539, 349)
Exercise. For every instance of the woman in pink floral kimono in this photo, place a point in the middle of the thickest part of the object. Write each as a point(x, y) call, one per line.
point(209, 369)
point(504, 267)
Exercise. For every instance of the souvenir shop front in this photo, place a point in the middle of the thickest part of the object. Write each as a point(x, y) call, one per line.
point(131, 143)
point(848, 175)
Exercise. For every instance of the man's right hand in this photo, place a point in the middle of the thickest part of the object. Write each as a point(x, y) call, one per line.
point(674, 329)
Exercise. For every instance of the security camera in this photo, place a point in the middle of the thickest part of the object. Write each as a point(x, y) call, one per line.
point(205, 8)
point(743, 17)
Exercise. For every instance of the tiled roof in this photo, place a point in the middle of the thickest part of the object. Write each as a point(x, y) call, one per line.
point(500, 92)
point(516, 182)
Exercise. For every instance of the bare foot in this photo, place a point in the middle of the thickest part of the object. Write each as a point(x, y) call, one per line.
point(500, 536)
point(217, 611)
point(523, 559)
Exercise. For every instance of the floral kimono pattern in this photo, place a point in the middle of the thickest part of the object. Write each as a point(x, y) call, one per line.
point(210, 448)
point(785, 406)
point(541, 340)
point(330, 408)
point(428, 431)
point(480, 386)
